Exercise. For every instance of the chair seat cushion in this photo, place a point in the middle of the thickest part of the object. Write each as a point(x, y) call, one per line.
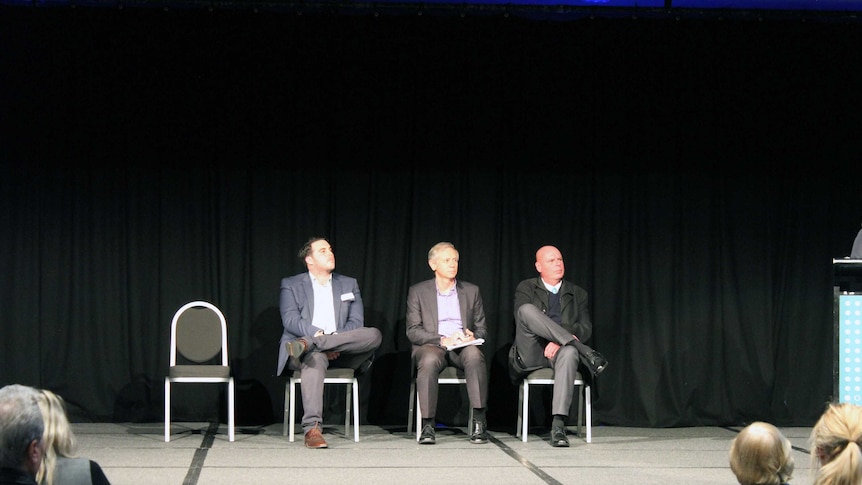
point(543, 373)
point(331, 373)
point(219, 371)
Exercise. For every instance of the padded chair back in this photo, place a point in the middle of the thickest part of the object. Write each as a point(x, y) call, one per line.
point(199, 333)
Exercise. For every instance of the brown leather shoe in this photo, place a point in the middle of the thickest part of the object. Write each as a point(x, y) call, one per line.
point(314, 438)
point(296, 348)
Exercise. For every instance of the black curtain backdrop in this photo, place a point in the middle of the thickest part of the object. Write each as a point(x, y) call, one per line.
point(698, 176)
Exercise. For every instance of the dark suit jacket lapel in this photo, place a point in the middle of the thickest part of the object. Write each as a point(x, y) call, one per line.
point(431, 303)
point(462, 302)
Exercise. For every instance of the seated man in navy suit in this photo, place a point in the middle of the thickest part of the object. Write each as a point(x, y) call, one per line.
point(324, 326)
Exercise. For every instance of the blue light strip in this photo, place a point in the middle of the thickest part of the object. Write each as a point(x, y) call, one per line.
point(645, 8)
point(850, 349)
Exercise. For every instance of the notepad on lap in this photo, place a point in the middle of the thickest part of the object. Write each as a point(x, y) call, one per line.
point(478, 341)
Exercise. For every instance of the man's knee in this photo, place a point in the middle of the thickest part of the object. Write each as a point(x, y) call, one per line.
point(567, 355)
point(472, 356)
point(377, 337)
point(527, 313)
point(427, 359)
point(317, 360)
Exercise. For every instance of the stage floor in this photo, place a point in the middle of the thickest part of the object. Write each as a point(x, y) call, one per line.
point(200, 453)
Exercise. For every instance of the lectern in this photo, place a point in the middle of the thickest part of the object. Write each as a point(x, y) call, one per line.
point(847, 328)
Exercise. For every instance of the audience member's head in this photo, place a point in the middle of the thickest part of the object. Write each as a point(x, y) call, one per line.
point(761, 455)
point(835, 450)
point(21, 429)
point(59, 440)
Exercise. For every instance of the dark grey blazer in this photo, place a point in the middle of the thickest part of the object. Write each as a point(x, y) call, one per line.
point(422, 311)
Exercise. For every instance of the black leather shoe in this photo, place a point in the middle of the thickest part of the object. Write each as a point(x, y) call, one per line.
point(558, 437)
point(594, 361)
point(427, 436)
point(365, 366)
point(480, 432)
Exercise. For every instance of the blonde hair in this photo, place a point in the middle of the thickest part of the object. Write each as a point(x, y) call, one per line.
point(761, 455)
point(58, 437)
point(836, 455)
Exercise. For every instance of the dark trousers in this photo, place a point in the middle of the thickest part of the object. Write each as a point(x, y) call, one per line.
point(533, 331)
point(355, 347)
point(431, 359)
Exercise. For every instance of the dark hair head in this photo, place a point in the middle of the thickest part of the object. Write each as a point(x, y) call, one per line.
point(305, 250)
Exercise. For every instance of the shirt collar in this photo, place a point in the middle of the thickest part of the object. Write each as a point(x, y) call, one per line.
point(553, 289)
point(451, 291)
point(315, 282)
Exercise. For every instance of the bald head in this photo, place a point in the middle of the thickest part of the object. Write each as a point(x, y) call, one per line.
point(549, 264)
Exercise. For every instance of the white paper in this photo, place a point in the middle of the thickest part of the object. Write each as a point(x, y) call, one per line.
point(478, 341)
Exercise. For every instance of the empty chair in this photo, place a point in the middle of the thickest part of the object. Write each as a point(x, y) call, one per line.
point(199, 336)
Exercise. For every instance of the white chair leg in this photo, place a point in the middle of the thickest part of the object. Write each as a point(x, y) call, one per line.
point(355, 410)
point(525, 412)
point(418, 416)
point(291, 425)
point(589, 413)
point(286, 408)
point(230, 409)
point(167, 409)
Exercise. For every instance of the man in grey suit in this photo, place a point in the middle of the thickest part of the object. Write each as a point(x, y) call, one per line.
point(324, 326)
point(442, 312)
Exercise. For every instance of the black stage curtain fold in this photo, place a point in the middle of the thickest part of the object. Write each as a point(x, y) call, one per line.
point(695, 174)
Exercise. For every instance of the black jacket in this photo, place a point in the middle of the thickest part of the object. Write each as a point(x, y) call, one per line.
point(574, 305)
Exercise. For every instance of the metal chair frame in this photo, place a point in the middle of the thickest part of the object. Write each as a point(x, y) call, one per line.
point(449, 375)
point(545, 376)
point(342, 376)
point(199, 373)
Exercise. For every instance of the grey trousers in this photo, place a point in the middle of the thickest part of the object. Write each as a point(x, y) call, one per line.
point(355, 347)
point(533, 330)
point(431, 359)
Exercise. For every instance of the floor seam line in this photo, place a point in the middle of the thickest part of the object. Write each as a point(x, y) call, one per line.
point(525, 462)
point(200, 456)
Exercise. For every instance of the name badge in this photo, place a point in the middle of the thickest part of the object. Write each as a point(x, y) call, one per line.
point(348, 297)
